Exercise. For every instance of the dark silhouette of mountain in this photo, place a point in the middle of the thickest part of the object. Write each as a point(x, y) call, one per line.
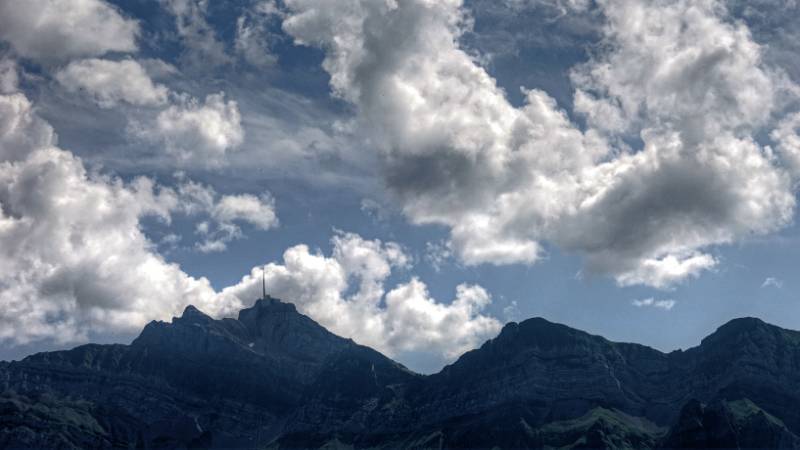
point(274, 378)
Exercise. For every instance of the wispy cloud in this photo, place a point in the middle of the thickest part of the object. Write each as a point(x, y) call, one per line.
point(772, 282)
point(666, 305)
point(511, 312)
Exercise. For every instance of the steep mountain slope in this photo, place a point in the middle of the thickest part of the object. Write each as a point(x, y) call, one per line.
point(729, 424)
point(748, 358)
point(229, 382)
point(537, 372)
point(275, 378)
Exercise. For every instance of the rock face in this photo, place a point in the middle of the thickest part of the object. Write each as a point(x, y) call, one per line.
point(273, 378)
point(729, 424)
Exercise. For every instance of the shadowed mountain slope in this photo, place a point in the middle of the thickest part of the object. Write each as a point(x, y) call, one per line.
point(274, 378)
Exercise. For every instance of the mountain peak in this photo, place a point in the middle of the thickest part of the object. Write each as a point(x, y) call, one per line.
point(541, 332)
point(735, 329)
point(517, 341)
point(743, 324)
point(276, 376)
point(192, 315)
point(192, 310)
point(270, 304)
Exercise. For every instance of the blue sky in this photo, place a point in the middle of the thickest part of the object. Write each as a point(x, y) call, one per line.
point(413, 175)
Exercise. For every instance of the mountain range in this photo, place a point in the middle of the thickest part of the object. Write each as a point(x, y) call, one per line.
point(273, 378)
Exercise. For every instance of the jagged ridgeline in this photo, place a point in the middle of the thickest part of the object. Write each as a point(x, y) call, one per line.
point(274, 378)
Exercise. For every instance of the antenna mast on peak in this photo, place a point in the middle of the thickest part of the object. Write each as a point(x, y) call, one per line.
point(264, 282)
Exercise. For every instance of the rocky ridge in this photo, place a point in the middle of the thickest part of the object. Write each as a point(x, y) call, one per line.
point(274, 378)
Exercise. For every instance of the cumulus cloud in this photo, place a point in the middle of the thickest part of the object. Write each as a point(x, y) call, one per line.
point(225, 213)
point(74, 258)
point(58, 30)
point(259, 211)
point(677, 76)
point(666, 305)
point(75, 262)
point(21, 130)
point(665, 272)
point(677, 64)
point(109, 83)
point(788, 142)
point(221, 215)
point(346, 293)
point(197, 134)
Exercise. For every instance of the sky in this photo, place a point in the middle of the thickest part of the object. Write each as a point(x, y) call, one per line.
point(411, 174)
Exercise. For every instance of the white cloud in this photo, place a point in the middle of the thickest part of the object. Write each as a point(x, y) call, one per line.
point(74, 260)
point(403, 319)
point(253, 38)
point(221, 215)
point(677, 64)
point(21, 131)
point(197, 134)
point(416, 322)
point(772, 282)
point(58, 30)
point(73, 257)
point(563, 6)
point(511, 312)
point(666, 305)
point(375, 210)
point(198, 37)
point(788, 140)
point(9, 79)
point(157, 68)
point(437, 254)
point(663, 273)
point(109, 83)
point(677, 75)
point(250, 43)
point(230, 210)
point(258, 211)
